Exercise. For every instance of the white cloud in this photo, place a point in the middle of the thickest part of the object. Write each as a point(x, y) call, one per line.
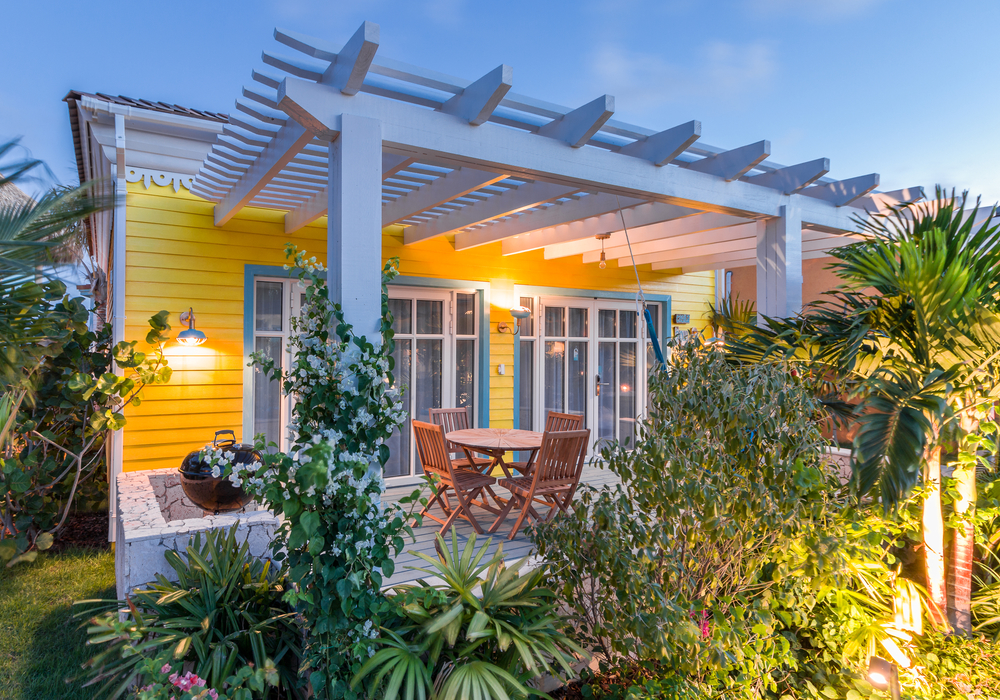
point(719, 72)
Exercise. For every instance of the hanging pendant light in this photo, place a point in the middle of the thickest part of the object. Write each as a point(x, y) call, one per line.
point(603, 237)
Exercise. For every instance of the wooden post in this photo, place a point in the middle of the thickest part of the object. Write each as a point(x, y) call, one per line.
point(354, 224)
point(779, 265)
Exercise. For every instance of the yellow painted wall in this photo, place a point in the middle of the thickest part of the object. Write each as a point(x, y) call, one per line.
point(177, 258)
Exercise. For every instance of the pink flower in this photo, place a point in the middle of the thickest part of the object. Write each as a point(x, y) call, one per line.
point(214, 695)
point(165, 669)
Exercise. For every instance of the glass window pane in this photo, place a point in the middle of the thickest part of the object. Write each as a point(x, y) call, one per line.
point(606, 368)
point(399, 442)
point(626, 396)
point(429, 318)
point(626, 328)
point(267, 394)
point(606, 323)
point(465, 373)
point(527, 324)
point(577, 375)
point(427, 382)
point(401, 310)
point(555, 363)
point(267, 311)
point(526, 385)
point(555, 321)
point(654, 311)
point(465, 314)
point(578, 323)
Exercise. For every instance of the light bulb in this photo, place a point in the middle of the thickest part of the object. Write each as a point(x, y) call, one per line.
point(603, 264)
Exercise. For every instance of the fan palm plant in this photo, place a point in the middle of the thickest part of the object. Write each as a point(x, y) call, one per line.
point(913, 333)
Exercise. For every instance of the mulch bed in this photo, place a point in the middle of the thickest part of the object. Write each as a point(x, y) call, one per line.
point(84, 531)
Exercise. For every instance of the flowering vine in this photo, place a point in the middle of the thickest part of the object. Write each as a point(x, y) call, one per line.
point(337, 534)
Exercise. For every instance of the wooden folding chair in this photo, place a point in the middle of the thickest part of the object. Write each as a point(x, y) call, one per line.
point(553, 481)
point(466, 484)
point(554, 422)
point(458, 419)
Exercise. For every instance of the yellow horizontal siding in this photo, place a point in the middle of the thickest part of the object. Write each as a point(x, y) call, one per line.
point(177, 257)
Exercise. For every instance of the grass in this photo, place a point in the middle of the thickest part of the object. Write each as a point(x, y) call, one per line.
point(41, 645)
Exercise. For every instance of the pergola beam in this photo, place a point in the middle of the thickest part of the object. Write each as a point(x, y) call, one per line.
point(794, 177)
point(528, 195)
point(734, 238)
point(843, 192)
point(283, 147)
point(663, 147)
point(347, 73)
point(318, 204)
point(476, 103)
point(457, 183)
point(577, 127)
point(733, 164)
point(697, 230)
point(556, 215)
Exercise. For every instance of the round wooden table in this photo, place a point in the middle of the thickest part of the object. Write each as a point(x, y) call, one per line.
point(495, 442)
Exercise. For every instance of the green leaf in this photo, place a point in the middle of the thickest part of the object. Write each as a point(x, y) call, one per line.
point(44, 541)
point(309, 522)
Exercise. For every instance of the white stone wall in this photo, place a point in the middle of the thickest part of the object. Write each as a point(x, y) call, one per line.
point(153, 516)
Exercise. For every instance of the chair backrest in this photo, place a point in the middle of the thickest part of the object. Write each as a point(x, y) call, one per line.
point(451, 419)
point(432, 448)
point(561, 457)
point(560, 422)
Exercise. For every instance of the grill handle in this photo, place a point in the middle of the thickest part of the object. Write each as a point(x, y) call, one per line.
point(215, 441)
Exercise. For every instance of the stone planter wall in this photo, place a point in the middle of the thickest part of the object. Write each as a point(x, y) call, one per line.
point(154, 515)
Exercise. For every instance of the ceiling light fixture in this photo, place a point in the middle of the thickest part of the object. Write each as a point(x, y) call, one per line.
point(603, 237)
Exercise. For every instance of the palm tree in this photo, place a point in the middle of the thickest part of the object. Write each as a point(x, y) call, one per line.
point(913, 334)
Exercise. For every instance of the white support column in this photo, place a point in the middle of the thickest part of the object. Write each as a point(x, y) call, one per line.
point(117, 447)
point(779, 265)
point(354, 224)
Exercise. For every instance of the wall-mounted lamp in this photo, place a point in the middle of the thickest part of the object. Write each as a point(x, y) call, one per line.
point(883, 675)
point(518, 312)
point(603, 237)
point(192, 336)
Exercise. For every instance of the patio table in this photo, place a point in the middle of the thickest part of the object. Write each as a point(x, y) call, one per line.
point(495, 442)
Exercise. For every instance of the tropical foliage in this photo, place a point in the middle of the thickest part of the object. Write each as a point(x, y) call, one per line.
point(485, 632)
point(222, 615)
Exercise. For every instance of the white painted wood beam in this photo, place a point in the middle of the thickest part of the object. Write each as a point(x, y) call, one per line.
point(713, 266)
point(238, 121)
point(446, 188)
point(710, 262)
point(663, 147)
point(285, 145)
point(315, 48)
point(316, 205)
point(555, 215)
point(528, 195)
point(733, 164)
point(881, 202)
point(794, 177)
point(577, 127)
point(843, 192)
point(291, 66)
point(741, 237)
point(577, 237)
point(670, 235)
point(347, 73)
point(779, 265)
point(426, 134)
point(475, 104)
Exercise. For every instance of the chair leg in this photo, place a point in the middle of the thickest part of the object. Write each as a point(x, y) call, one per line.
point(439, 496)
point(504, 512)
point(465, 507)
point(520, 519)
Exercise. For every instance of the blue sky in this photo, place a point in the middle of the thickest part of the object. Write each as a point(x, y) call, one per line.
point(904, 88)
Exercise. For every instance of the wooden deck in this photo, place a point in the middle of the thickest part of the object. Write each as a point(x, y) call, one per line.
point(513, 550)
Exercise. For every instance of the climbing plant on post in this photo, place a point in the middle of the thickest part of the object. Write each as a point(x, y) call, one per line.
point(337, 534)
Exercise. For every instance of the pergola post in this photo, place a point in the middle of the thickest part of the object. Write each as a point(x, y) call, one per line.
point(354, 224)
point(779, 265)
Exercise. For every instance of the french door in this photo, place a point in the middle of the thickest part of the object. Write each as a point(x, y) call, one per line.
point(585, 357)
point(436, 336)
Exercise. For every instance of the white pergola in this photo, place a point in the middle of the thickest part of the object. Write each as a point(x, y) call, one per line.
point(370, 142)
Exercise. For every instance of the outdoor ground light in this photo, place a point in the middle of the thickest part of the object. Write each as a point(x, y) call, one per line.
point(192, 336)
point(883, 675)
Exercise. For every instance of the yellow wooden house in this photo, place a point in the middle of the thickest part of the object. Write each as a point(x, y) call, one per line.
point(490, 199)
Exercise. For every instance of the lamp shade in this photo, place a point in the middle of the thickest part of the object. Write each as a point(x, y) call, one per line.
point(520, 312)
point(192, 336)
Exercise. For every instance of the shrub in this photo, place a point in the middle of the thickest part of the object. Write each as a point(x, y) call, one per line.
point(223, 613)
point(729, 556)
point(449, 642)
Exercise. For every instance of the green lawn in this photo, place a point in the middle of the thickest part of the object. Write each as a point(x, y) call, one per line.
point(40, 643)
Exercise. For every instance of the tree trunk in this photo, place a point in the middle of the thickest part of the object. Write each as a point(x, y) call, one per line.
point(963, 542)
point(933, 531)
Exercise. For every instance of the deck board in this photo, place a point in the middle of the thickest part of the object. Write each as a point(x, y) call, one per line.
point(513, 550)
